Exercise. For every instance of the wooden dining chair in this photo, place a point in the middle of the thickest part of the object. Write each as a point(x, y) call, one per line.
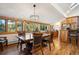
point(47, 40)
point(37, 42)
point(3, 40)
point(52, 38)
point(73, 34)
point(27, 43)
point(20, 41)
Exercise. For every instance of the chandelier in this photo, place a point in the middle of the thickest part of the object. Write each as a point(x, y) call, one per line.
point(34, 16)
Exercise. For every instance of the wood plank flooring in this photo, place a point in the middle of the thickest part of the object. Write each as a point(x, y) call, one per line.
point(65, 49)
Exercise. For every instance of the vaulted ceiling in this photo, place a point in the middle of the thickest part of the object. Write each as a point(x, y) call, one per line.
point(48, 12)
point(67, 9)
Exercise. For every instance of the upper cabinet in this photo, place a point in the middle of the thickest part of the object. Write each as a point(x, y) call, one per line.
point(72, 22)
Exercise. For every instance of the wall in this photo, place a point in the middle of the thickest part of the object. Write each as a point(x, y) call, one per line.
point(57, 26)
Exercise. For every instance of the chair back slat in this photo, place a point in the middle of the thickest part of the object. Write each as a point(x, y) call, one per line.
point(37, 38)
point(37, 44)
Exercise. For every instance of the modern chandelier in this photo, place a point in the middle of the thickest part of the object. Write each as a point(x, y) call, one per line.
point(34, 16)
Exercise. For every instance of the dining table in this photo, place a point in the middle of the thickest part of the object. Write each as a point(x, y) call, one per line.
point(29, 38)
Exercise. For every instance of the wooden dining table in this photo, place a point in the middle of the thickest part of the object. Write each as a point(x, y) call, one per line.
point(29, 38)
point(24, 40)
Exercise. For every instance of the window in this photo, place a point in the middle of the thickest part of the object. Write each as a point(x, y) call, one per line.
point(27, 27)
point(31, 27)
point(2, 25)
point(19, 26)
point(11, 26)
point(36, 27)
point(43, 27)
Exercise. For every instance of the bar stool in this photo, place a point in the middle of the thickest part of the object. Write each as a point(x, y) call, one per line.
point(73, 34)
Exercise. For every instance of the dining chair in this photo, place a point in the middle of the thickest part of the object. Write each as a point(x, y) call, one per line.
point(52, 38)
point(37, 43)
point(73, 34)
point(47, 40)
point(24, 39)
point(20, 41)
point(3, 40)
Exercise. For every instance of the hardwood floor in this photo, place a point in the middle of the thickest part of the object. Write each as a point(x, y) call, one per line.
point(66, 49)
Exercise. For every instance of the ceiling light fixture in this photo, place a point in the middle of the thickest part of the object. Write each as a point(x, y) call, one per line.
point(34, 16)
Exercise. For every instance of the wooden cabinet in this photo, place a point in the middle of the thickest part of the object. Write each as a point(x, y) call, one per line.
point(64, 35)
point(72, 22)
point(55, 34)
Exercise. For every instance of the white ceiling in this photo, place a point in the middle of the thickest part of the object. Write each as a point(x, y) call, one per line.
point(66, 9)
point(50, 13)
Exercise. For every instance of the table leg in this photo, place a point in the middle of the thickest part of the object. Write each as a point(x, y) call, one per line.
point(20, 47)
point(6, 43)
point(2, 47)
point(49, 46)
point(77, 41)
point(53, 44)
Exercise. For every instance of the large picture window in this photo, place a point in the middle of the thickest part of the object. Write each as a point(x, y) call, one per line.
point(43, 27)
point(35, 27)
point(31, 27)
point(19, 26)
point(27, 27)
point(11, 26)
point(2, 25)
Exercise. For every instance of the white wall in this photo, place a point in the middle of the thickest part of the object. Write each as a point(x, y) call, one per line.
point(11, 38)
point(57, 26)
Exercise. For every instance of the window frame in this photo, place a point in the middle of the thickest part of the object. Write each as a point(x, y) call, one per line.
point(23, 25)
point(17, 25)
point(5, 25)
